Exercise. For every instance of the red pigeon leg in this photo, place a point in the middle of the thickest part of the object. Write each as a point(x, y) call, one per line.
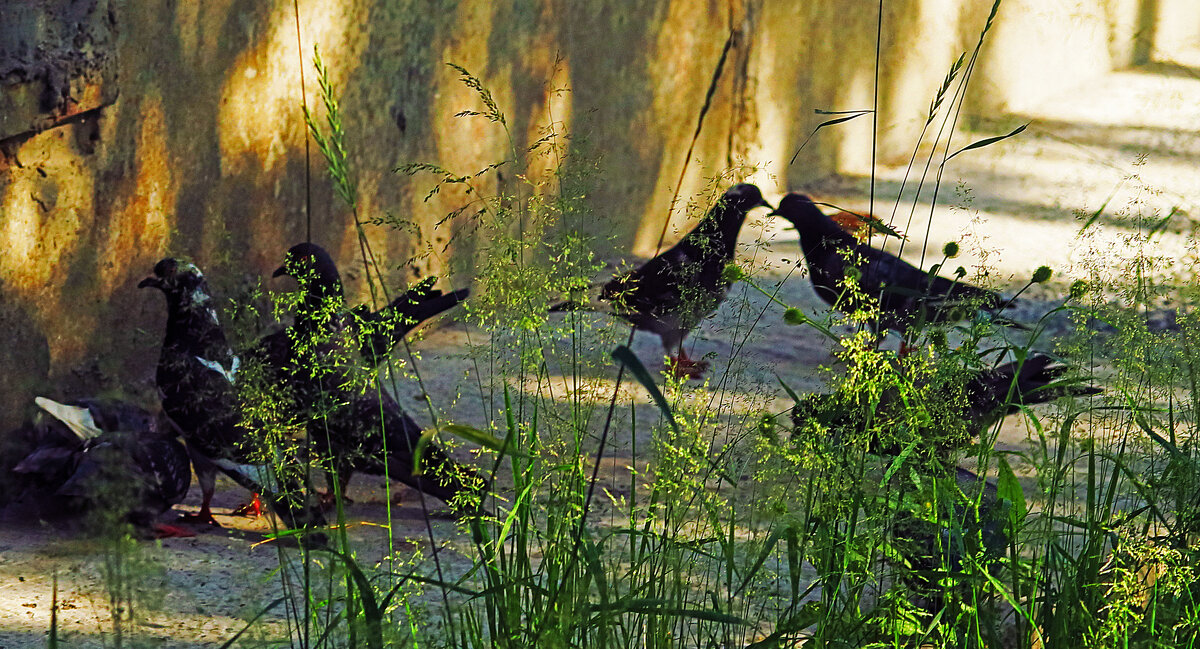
point(252, 509)
point(207, 487)
point(684, 367)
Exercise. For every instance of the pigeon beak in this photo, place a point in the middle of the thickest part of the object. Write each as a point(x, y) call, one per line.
point(280, 272)
point(767, 205)
point(150, 281)
point(789, 226)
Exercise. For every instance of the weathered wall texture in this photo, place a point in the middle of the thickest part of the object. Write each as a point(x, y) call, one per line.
point(177, 128)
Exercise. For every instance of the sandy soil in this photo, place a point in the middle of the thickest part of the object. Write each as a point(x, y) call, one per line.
point(1023, 204)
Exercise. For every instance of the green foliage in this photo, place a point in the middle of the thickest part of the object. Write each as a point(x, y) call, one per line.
point(843, 521)
point(134, 578)
point(332, 145)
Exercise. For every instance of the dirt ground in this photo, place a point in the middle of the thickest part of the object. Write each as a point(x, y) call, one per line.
point(1020, 201)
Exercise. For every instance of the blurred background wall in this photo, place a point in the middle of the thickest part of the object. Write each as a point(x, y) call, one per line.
point(134, 129)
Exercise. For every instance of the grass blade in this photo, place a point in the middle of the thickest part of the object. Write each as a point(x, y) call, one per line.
point(626, 357)
point(850, 114)
point(986, 141)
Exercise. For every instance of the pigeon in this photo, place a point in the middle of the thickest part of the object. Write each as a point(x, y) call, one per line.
point(978, 401)
point(969, 527)
point(972, 402)
point(195, 377)
point(670, 294)
point(103, 454)
point(907, 296)
point(359, 427)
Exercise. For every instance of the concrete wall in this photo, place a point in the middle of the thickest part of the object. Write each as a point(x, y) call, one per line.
point(175, 128)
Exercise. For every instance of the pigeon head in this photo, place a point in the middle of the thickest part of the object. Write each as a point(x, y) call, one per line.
point(171, 272)
point(801, 212)
point(182, 282)
point(744, 197)
point(725, 219)
point(312, 268)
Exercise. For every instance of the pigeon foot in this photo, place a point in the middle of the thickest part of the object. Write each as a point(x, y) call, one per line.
point(252, 509)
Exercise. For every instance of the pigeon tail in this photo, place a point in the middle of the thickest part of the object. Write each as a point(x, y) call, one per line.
point(46, 460)
point(1003, 390)
point(381, 331)
point(434, 303)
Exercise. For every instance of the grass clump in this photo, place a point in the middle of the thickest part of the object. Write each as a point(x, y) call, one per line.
point(620, 508)
point(878, 513)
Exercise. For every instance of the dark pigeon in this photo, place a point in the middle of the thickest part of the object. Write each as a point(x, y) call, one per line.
point(670, 294)
point(907, 295)
point(973, 402)
point(322, 359)
point(971, 529)
point(111, 456)
point(195, 377)
point(976, 400)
